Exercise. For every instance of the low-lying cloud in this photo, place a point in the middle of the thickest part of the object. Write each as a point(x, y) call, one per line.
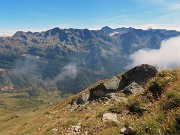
point(69, 71)
point(168, 56)
point(28, 65)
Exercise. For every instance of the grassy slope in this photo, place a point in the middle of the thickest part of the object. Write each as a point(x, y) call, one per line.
point(16, 109)
point(161, 100)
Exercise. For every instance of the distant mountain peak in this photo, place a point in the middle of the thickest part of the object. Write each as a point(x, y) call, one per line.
point(106, 29)
point(19, 34)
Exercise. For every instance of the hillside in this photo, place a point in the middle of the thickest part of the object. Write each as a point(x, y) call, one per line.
point(139, 101)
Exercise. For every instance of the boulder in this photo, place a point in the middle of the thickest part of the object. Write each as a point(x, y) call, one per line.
point(140, 75)
point(110, 116)
point(133, 88)
point(103, 89)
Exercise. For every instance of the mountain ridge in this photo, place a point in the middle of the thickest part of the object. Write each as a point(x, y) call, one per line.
point(98, 53)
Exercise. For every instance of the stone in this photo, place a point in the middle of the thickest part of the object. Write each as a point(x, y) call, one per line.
point(76, 128)
point(113, 83)
point(139, 74)
point(110, 116)
point(133, 88)
point(98, 92)
point(111, 95)
point(82, 99)
point(110, 86)
point(55, 129)
point(114, 97)
point(127, 131)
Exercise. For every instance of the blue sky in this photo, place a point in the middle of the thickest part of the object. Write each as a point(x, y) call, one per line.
point(37, 15)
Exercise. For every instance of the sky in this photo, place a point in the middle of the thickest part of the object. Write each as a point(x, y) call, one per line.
point(39, 15)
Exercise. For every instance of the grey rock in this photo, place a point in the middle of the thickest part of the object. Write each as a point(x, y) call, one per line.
point(114, 97)
point(77, 128)
point(139, 74)
point(110, 116)
point(133, 78)
point(113, 83)
point(127, 131)
point(82, 99)
point(130, 82)
point(103, 89)
point(133, 88)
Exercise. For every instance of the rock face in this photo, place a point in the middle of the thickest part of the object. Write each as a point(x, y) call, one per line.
point(110, 116)
point(110, 86)
point(130, 82)
point(135, 78)
point(113, 83)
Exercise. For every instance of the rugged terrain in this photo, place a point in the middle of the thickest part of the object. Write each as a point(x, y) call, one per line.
point(39, 58)
point(41, 69)
point(139, 101)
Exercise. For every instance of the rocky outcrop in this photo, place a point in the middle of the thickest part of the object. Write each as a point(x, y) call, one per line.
point(140, 75)
point(103, 89)
point(130, 82)
point(81, 99)
point(135, 78)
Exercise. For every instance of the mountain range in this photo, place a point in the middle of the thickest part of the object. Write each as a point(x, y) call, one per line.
point(69, 60)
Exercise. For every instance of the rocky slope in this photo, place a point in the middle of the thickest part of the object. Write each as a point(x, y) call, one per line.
point(97, 54)
point(139, 101)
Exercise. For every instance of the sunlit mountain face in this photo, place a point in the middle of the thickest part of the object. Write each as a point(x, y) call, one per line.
point(72, 59)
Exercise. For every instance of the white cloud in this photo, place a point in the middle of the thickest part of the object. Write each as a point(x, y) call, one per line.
point(167, 56)
point(69, 71)
point(6, 33)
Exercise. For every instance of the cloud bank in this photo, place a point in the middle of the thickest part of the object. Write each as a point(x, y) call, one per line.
point(30, 65)
point(69, 71)
point(168, 56)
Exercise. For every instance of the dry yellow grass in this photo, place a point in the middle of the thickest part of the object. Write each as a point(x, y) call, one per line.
point(153, 121)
